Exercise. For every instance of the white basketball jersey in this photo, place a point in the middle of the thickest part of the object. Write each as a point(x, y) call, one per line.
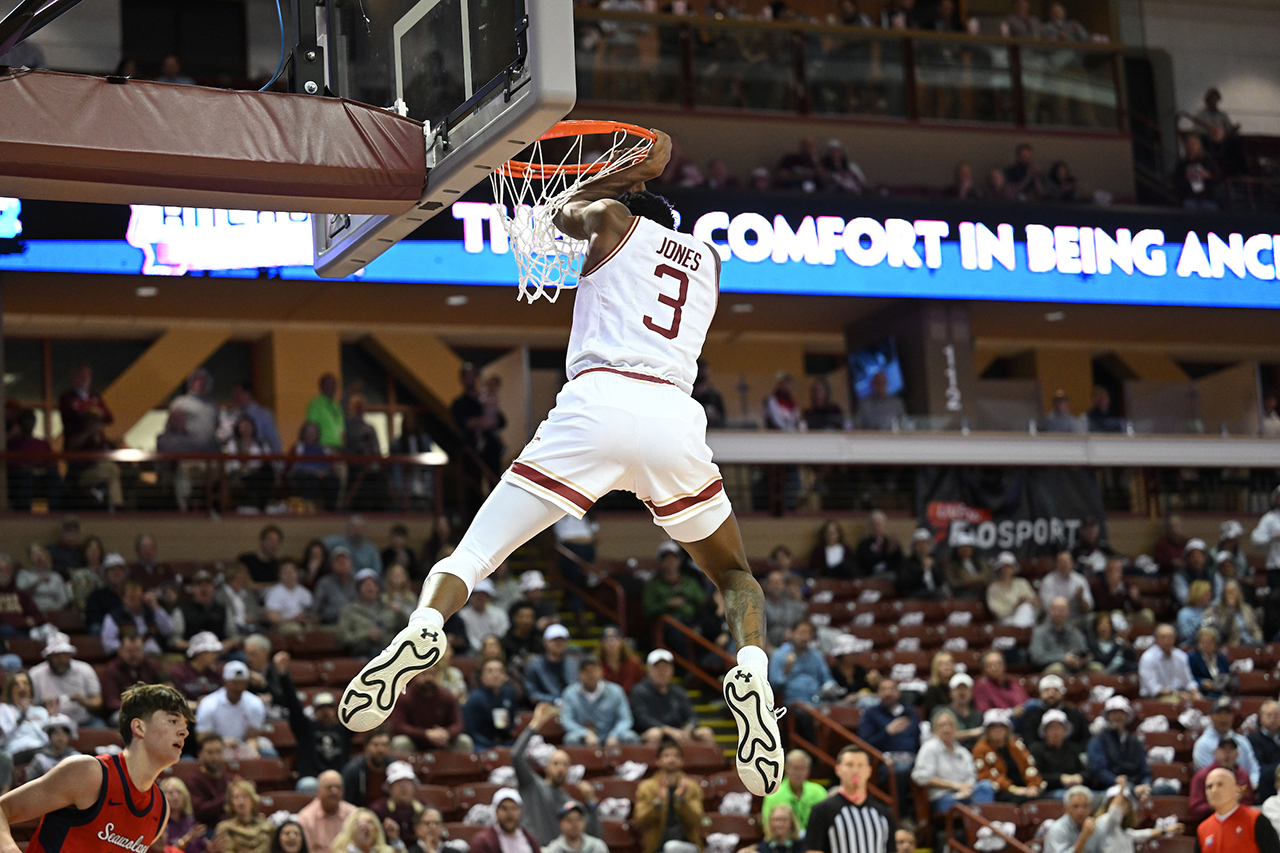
point(646, 307)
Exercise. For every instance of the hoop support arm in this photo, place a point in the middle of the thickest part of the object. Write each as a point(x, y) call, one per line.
point(82, 138)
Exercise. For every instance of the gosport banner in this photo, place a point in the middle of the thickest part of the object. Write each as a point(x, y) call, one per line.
point(780, 243)
point(1030, 511)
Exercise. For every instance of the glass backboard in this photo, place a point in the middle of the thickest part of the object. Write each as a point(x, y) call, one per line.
point(486, 77)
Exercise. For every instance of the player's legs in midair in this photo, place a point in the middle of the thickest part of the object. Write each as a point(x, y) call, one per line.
point(509, 517)
point(746, 687)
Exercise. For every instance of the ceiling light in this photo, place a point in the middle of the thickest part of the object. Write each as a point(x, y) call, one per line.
point(455, 300)
point(147, 291)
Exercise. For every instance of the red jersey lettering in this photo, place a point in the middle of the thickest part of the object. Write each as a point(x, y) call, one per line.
point(121, 819)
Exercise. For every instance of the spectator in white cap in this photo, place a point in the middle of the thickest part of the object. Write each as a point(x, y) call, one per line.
point(661, 708)
point(1003, 759)
point(1115, 751)
point(367, 624)
point(595, 712)
point(481, 617)
point(946, 768)
point(1231, 548)
point(399, 808)
point(1196, 567)
point(1059, 763)
point(533, 588)
point(323, 742)
point(968, 575)
point(920, 575)
point(548, 674)
point(200, 675)
point(106, 598)
point(1053, 697)
point(61, 730)
point(968, 716)
point(546, 794)
point(848, 674)
point(235, 713)
point(1065, 582)
point(506, 835)
point(1010, 598)
point(71, 685)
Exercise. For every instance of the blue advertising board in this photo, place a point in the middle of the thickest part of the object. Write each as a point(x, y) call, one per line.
point(784, 244)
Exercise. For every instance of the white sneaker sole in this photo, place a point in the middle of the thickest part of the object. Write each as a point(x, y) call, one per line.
point(371, 695)
point(759, 756)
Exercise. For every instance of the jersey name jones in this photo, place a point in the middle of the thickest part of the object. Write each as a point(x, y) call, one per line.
point(682, 255)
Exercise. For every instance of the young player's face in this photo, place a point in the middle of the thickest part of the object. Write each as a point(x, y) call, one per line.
point(164, 735)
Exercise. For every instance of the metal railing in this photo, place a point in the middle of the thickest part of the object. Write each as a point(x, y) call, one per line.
point(128, 479)
point(830, 70)
point(617, 613)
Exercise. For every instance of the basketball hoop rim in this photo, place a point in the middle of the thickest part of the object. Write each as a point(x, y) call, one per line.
point(561, 129)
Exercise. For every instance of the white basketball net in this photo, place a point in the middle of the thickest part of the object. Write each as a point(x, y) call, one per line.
point(548, 261)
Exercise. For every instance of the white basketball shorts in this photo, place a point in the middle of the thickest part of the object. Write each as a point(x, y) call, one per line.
point(613, 429)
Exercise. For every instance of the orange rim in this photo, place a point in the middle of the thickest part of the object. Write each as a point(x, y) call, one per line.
point(521, 169)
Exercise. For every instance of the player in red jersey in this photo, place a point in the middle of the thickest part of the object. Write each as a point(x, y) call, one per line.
point(112, 801)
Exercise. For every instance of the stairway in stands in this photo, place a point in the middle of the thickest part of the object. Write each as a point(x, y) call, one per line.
point(708, 705)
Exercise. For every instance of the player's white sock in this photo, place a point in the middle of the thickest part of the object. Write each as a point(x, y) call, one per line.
point(754, 658)
point(432, 616)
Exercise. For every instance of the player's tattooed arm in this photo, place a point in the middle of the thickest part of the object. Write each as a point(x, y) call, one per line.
point(580, 217)
point(744, 608)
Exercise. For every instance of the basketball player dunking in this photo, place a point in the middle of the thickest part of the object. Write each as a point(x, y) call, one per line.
point(95, 805)
point(625, 420)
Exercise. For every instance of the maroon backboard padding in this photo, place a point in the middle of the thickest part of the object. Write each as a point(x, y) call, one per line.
point(71, 137)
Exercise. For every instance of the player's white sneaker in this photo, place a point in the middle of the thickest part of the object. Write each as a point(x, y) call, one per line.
point(759, 758)
point(371, 695)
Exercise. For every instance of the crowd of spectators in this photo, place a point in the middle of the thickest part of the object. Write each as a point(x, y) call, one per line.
point(306, 472)
point(1212, 152)
point(961, 736)
point(828, 169)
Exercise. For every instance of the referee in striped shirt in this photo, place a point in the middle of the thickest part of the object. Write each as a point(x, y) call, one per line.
point(850, 820)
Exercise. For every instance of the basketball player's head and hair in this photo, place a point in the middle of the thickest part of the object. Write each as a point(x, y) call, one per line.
point(646, 205)
point(141, 701)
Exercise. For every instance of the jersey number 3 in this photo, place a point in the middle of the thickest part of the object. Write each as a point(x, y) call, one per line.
point(676, 302)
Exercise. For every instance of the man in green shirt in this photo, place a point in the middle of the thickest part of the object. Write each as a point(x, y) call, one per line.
point(672, 592)
point(326, 412)
point(796, 790)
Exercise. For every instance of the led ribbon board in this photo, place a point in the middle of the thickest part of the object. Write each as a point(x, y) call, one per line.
point(820, 245)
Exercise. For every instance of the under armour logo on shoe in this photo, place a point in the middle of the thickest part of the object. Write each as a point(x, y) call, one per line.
point(742, 675)
point(428, 634)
